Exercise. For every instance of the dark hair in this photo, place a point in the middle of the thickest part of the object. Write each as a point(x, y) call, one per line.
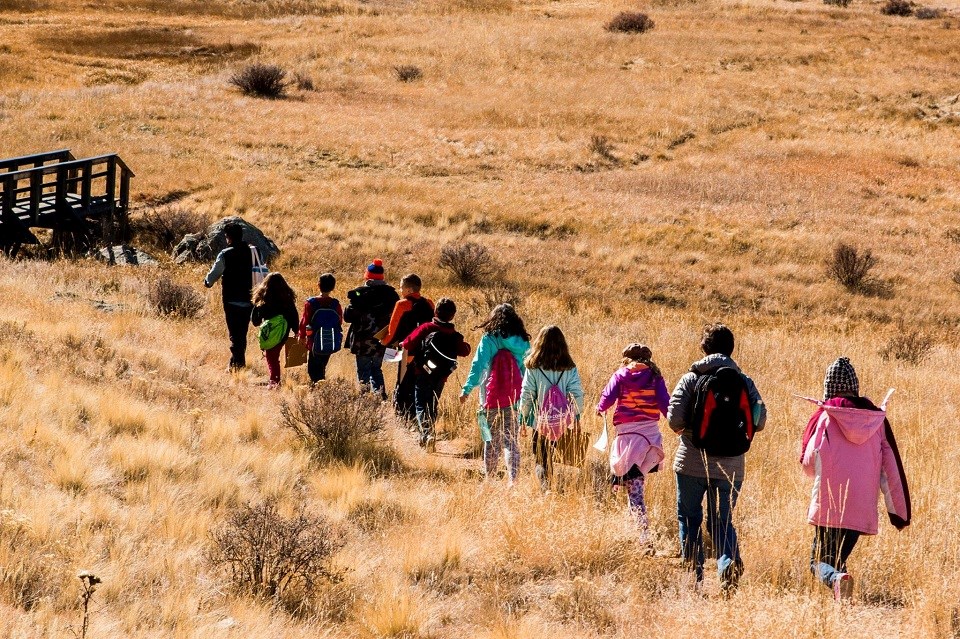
point(641, 353)
point(411, 281)
point(446, 309)
point(327, 282)
point(549, 351)
point(717, 339)
point(274, 290)
point(234, 232)
point(504, 322)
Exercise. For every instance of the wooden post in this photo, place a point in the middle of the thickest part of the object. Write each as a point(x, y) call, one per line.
point(6, 215)
point(124, 199)
point(107, 225)
point(36, 194)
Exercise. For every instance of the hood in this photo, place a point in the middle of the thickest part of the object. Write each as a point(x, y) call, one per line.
point(515, 344)
point(711, 363)
point(636, 372)
point(857, 424)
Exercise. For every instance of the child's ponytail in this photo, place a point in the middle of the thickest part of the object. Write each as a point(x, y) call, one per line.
point(641, 353)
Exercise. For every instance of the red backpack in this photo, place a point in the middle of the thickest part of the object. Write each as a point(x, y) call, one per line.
point(503, 384)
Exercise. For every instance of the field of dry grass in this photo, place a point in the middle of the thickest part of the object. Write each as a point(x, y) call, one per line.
point(632, 187)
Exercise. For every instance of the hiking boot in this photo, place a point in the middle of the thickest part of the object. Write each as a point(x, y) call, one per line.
point(430, 444)
point(843, 587)
point(730, 578)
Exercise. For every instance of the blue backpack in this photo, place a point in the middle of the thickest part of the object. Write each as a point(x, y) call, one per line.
point(327, 329)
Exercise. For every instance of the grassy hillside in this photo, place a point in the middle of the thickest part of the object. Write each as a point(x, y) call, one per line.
point(631, 188)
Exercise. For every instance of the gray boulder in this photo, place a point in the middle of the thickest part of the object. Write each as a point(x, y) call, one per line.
point(197, 247)
point(125, 255)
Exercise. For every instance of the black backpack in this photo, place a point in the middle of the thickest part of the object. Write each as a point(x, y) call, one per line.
point(438, 353)
point(722, 421)
point(420, 313)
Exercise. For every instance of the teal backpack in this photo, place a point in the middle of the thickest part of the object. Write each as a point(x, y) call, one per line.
point(272, 332)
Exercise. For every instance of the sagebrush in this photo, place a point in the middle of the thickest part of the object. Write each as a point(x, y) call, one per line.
point(167, 297)
point(469, 262)
point(851, 267)
point(261, 80)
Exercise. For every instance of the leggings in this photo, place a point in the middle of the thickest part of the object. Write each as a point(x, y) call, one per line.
point(273, 361)
point(637, 506)
point(504, 433)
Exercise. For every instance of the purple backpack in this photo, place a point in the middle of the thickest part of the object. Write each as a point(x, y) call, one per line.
point(504, 383)
point(555, 416)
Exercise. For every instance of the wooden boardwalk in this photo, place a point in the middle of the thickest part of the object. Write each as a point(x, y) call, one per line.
point(82, 201)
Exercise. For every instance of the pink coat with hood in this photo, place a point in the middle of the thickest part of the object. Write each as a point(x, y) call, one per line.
point(850, 451)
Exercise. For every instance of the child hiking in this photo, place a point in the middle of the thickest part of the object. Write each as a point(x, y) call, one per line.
point(275, 313)
point(321, 328)
point(850, 451)
point(497, 369)
point(715, 409)
point(435, 347)
point(411, 311)
point(368, 313)
point(640, 395)
point(551, 399)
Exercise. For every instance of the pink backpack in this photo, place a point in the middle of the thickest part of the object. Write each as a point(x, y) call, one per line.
point(504, 382)
point(555, 416)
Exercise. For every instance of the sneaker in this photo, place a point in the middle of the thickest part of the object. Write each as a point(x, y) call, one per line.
point(430, 444)
point(730, 578)
point(843, 587)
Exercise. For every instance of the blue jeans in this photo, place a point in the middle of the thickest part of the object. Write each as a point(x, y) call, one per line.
point(370, 373)
point(831, 549)
point(426, 395)
point(721, 500)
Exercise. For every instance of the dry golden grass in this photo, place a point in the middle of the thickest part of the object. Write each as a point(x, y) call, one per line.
point(631, 187)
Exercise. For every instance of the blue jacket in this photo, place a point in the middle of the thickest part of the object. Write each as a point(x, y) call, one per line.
point(489, 346)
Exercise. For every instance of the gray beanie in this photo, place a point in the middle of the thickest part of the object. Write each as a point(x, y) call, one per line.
point(841, 379)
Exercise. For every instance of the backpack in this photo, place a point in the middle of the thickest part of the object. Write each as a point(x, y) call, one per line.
point(258, 270)
point(504, 383)
point(419, 314)
point(327, 329)
point(438, 354)
point(722, 421)
point(272, 332)
point(555, 415)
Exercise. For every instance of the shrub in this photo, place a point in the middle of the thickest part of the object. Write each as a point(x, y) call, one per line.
point(468, 262)
point(169, 298)
point(850, 267)
point(600, 145)
point(630, 22)
point(337, 421)
point(164, 227)
point(271, 556)
point(897, 8)
point(407, 73)
point(837, 3)
point(261, 80)
point(501, 292)
point(956, 277)
point(928, 13)
point(303, 81)
point(908, 345)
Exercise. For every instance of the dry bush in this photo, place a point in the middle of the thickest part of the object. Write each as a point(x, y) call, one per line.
point(164, 227)
point(901, 8)
point(261, 80)
point(955, 277)
point(928, 13)
point(837, 3)
point(630, 22)
point(303, 81)
point(600, 145)
point(851, 267)
point(338, 422)
point(407, 73)
point(276, 557)
point(175, 300)
point(469, 262)
point(908, 344)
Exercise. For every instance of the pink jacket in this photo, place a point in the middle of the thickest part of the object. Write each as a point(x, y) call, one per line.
point(850, 452)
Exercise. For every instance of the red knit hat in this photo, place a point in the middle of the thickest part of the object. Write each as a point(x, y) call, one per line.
point(374, 271)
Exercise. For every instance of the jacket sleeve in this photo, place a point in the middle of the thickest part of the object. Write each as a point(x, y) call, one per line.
point(893, 481)
point(256, 317)
point(528, 396)
point(575, 389)
point(293, 319)
point(663, 397)
point(304, 319)
point(486, 349)
point(677, 411)
point(610, 394)
point(810, 443)
point(412, 343)
point(399, 309)
point(755, 400)
point(216, 271)
point(464, 349)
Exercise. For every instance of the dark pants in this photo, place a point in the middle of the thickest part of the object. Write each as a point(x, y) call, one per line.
point(403, 393)
point(370, 373)
point(831, 549)
point(238, 323)
point(543, 452)
point(317, 366)
point(426, 395)
point(721, 499)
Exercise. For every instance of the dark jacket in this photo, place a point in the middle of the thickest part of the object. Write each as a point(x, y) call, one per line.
point(234, 265)
point(368, 312)
point(263, 312)
point(414, 341)
point(690, 460)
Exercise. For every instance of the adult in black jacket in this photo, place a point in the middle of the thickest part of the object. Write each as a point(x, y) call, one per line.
point(368, 312)
point(234, 265)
